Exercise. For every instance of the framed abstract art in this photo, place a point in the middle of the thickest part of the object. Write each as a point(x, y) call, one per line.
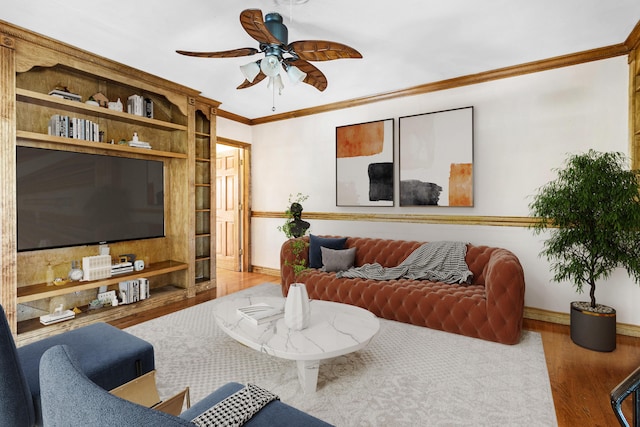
point(436, 158)
point(365, 164)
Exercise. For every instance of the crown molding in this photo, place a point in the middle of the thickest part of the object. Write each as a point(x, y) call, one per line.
point(500, 73)
point(633, 40)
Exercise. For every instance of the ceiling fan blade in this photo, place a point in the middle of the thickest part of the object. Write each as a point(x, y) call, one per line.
point(253, 23)
point(321, 50)
point(260, 77)
point(314, 77)
point(245, 51)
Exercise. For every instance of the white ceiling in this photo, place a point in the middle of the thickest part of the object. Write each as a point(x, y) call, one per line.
point(404, 43)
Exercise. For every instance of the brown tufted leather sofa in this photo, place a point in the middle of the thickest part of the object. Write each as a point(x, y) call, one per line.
point(490, 308)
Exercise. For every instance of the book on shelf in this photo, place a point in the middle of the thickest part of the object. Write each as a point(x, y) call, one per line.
point(133, 290)
point(139, 144)
point(66, 95)
point(148, 107)
point(261, 313)
point(57, 316)
point(73, 127)
point(140, 106)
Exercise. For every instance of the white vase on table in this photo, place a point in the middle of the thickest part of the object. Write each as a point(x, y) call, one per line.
point(296, 307)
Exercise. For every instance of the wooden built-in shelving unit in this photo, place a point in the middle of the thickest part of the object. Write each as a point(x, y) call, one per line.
point(205, 261)
point(181, 133)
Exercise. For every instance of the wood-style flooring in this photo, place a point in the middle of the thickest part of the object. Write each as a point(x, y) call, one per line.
point(580, 379)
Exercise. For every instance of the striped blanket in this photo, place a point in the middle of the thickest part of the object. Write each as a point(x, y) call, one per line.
point(434, 261)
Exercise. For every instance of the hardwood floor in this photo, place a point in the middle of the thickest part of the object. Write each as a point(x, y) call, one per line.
point(580, 379)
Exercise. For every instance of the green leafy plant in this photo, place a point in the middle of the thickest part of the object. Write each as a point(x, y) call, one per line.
point(297, 245)
point(592, 212)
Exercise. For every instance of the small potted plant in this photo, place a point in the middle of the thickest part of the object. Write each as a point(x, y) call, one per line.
point(592, 214)
point(295, 227)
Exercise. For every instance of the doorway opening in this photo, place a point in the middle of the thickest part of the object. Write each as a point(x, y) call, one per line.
point(232, 205)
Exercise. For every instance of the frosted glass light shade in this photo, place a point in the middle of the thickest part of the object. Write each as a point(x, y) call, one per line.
point(295, 74)
point(250, 71)
point(270, 65)
point(276, 83)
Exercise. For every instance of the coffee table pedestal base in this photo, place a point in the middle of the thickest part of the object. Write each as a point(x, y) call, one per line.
point(308, 375)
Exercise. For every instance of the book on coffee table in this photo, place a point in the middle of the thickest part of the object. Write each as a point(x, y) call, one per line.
point(261, 313)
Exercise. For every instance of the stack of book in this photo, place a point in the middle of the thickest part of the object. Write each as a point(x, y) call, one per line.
point(133, 290)
point(139, 144)
point(261, 313)
point(66, 95)
point(140, 106)
point(72, 127)
point(120, 268)
point(57, 316)
point(135, 105)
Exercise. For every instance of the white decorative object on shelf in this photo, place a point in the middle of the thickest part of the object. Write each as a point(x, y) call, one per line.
point(96, 267)
point(116, 106)
point(296, 307)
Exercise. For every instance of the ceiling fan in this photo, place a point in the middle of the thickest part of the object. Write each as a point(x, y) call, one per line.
point(280, 55)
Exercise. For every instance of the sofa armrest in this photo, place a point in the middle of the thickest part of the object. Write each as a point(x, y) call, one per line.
point(288, 259)
point(505, 287)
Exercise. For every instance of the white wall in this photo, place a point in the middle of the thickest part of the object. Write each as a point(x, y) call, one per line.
point(523, 128)
point(233, 130)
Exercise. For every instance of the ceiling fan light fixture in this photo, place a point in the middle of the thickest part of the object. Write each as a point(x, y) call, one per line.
point(250, 70)
point(296, 75)
point(276, 84)
point(270, 65)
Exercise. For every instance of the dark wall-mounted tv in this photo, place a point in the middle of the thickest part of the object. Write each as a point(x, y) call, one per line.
point(70, 199)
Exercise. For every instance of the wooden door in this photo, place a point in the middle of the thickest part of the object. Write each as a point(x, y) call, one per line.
point(228, 209)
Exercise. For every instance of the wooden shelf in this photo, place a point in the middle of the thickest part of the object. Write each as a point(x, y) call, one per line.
point(43, 290)
point(24, 95)
point(32, 330)
point(40, 138)
point(202, 135)
point(200, 159)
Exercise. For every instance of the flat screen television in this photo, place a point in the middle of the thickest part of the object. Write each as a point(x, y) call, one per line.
point(71, 199)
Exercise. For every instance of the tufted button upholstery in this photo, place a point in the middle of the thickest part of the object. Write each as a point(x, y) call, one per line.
point(491, 308)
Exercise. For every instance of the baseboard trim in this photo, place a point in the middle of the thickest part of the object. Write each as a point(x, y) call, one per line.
point(564, 319)
point(265, 270)
point(529, 312)
point(546, 315)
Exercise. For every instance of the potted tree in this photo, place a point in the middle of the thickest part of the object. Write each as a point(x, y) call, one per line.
point(592, 213)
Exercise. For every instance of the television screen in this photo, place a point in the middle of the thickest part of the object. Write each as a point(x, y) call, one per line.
point(70, 199)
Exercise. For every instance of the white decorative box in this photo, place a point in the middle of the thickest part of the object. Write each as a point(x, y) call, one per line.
point(96, 267)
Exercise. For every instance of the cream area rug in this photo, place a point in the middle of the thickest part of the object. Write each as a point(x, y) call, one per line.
point(407, 376)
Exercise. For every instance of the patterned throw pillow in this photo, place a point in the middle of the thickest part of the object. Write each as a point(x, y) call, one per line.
point(237, 409)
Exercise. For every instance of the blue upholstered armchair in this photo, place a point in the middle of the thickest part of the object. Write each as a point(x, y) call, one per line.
point(70, 398)
point(109, 356)
point(16, 403)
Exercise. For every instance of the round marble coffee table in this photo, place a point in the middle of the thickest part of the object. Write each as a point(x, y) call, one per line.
point(334, 330)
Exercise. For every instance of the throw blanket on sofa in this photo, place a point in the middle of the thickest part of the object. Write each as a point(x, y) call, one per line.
point(434, 261)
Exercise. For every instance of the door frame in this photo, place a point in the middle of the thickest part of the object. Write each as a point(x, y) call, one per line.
point(245, 198)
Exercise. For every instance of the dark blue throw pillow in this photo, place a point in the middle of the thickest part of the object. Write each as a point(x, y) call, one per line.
point(315, 243)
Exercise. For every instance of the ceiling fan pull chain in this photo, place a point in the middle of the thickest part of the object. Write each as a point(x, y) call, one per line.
point(273, 97)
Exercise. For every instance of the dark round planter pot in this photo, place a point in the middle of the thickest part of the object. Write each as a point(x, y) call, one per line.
point(595, 330)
